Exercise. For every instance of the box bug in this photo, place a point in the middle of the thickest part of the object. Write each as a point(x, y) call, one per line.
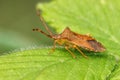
point(70, 39)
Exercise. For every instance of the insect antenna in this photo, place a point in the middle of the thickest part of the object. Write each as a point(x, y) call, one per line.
point(43, 22)
point(39, 30)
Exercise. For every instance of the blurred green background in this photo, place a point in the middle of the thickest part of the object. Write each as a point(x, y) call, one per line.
point(17, 19)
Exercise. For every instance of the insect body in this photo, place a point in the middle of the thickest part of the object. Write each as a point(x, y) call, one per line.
point(70, 39)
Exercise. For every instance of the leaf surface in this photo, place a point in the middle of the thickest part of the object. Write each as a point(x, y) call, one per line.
point(38, 65)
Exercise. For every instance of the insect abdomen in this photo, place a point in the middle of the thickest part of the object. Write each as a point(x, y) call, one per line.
point(98, 47)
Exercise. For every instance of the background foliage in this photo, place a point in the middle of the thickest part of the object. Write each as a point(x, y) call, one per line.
point(17, 19)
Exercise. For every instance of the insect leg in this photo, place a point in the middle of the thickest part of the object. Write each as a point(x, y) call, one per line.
point(80, 51)
point(66, 47)
point(54, 46)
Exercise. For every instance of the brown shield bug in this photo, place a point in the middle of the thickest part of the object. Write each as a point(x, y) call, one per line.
point(70, 39)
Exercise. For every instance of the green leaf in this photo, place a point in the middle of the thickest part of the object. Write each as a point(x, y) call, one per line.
point(38, 65)
point(100, 18)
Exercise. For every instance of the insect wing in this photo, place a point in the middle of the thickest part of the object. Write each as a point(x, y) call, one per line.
point(87, 42)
